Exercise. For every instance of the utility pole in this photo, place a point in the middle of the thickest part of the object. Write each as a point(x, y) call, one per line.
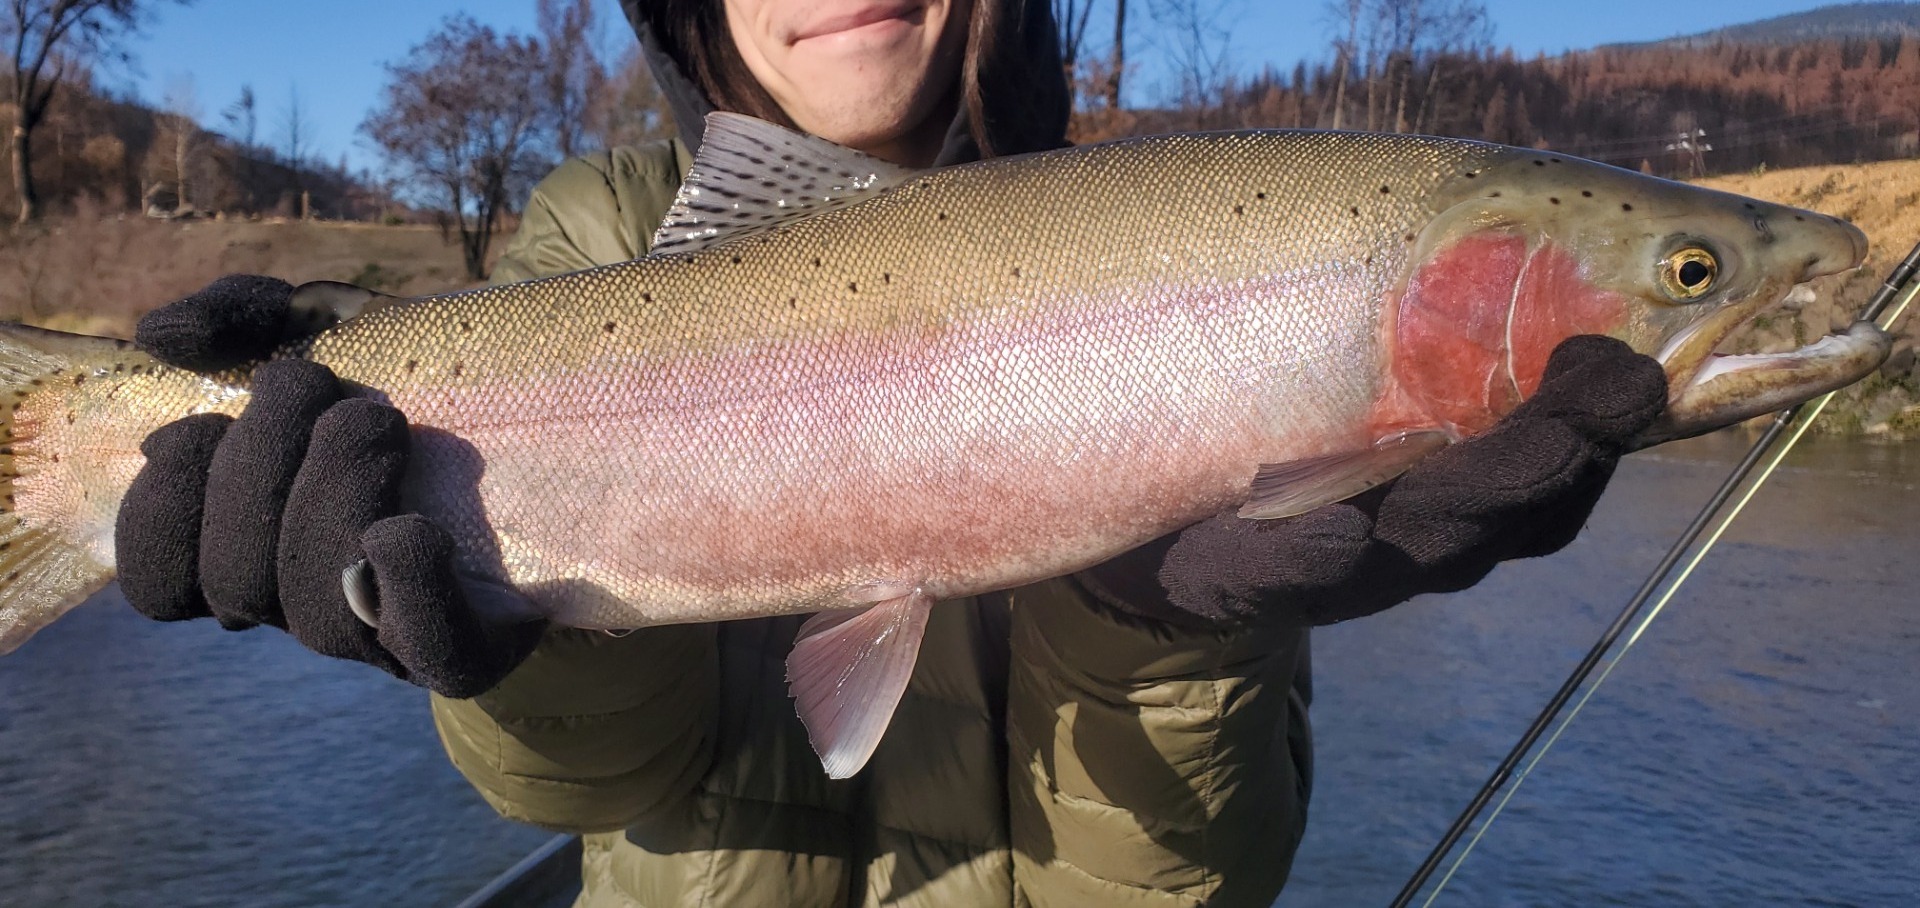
point(1693, 144)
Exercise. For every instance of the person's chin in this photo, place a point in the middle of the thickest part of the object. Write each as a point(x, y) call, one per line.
point(862, 122)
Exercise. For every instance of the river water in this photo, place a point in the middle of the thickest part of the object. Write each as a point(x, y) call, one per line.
point(1760, 746)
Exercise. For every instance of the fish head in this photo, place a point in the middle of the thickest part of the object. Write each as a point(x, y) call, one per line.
point(1533, 248)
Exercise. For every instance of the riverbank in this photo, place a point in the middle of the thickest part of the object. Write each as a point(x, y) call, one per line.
point(97, 274)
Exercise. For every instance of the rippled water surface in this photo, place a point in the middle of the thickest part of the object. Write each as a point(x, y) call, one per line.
point(144, 764)
point(1761, 745)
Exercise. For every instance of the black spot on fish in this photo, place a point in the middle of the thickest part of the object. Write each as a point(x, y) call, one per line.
point(735, 260)
point(1538, 163)
point(1386, 190)
point(941, 216)
point(459, 368)
point(609, 327)
point(1409, 237)
point(1016, 271)
point(1798, 218)
point(816, 261)
point(646, 297)
point(411, 365)
point(886, 277)
point(853, 287)
point(1625, 207)
point(1472, 176)
point(1239, 209)
point(1554, 199)
point(466, 327)
point(1261, 196)
point(793, 302)
point(1495, 195)
point(1355, 211)
point(1586, 193)
point(1555, 160)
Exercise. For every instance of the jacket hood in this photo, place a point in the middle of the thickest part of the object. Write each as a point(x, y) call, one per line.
point(690, 104)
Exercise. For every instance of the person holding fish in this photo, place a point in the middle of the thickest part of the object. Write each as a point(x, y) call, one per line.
point(1132, 733)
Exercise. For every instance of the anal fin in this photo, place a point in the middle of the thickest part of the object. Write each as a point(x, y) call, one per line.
point(1299, 486)
point(849, 667)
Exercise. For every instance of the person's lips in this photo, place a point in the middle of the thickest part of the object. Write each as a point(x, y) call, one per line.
point(850, 20)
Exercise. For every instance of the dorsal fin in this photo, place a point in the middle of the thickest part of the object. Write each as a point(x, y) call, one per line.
point(751, 176)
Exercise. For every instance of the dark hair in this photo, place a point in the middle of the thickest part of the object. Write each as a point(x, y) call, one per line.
point(1013, 87)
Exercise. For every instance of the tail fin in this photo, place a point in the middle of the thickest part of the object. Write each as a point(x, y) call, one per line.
point(53, 553)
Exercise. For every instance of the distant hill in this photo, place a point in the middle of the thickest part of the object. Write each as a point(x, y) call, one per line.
point(98, 148)
point(1841, 20)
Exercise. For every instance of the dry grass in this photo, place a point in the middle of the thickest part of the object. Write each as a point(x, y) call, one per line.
point(96, 274)
point(1881, 199)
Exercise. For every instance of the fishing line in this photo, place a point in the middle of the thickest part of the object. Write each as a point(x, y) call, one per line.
point(1899, 284)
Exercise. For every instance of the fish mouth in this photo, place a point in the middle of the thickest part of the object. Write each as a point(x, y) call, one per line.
point(1709, 390)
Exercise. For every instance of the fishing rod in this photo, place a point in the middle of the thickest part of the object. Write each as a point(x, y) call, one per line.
point(1899, 286)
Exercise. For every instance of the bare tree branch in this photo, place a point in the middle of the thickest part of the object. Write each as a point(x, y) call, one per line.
point(465, 117)
point(40, 32)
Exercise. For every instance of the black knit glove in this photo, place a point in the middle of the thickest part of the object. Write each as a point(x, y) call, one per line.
point(252, 520)
point(1522, 489)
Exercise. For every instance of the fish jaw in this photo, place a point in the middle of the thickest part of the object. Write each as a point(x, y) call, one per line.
point(1727, 388)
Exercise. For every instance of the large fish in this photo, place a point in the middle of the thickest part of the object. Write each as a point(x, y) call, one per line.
point(843, 387)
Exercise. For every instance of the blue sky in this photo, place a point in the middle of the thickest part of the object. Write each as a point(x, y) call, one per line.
point(332, 51)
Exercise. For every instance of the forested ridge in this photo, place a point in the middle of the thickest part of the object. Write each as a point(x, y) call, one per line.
point(1676, 110)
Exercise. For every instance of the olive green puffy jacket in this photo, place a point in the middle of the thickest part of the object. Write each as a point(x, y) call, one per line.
point(1050, 749)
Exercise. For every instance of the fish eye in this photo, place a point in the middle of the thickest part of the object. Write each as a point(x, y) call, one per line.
point(1689, 273)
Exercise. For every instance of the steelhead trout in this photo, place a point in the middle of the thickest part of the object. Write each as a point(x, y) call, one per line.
point(842, 387)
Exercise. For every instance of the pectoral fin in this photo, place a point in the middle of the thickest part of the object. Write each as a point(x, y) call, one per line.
point(1296, 487)
point(849, 667)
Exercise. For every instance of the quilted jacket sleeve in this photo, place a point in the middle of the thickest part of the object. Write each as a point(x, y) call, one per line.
point(1151, 765)
point(593, 731)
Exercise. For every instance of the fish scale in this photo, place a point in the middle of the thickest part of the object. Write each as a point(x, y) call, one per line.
point(846, 388)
